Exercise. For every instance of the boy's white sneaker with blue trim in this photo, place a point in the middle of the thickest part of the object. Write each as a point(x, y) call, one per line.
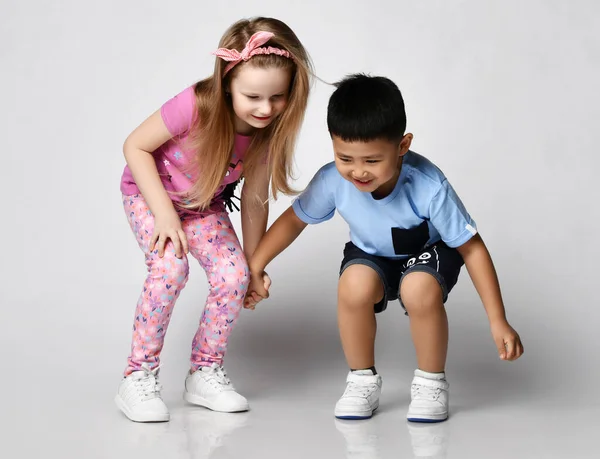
point(429, 397)
point(361, 397)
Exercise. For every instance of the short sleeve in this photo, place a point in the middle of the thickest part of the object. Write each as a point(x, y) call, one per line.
point(316, 204)
point(450, 218)
point(179, 112)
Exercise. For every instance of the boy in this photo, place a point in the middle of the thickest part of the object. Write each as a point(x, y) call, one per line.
point(410, 236)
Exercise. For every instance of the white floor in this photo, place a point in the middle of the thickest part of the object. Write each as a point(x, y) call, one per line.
point(292, 417)
point(302, 428)
point(286, 359)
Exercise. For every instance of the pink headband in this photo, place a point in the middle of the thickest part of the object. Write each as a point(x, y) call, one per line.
point(253, 47)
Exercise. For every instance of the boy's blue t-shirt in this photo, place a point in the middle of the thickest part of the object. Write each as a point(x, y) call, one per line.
point(422, 209)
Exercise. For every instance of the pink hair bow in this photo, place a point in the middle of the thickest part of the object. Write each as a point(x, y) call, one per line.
point(252, 48)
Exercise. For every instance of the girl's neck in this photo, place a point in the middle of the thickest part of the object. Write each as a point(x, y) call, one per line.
point(243, 128)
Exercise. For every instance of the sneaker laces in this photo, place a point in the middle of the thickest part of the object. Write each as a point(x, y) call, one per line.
point(217, 376)
point(146, 383)
point(359, 390)
point(422, 392)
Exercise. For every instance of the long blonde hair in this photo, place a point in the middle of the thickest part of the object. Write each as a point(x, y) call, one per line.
point(212, 135)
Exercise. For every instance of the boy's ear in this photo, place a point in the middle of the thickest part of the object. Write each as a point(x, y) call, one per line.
point(404, 145)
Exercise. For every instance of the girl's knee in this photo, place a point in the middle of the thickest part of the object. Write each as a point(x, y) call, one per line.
point(172, 269)
point(231, 274)
point(421, 293)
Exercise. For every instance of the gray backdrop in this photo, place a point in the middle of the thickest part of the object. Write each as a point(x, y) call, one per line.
point(500, 95)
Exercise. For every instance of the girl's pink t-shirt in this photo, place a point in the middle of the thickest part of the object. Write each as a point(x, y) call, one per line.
point(172, 161)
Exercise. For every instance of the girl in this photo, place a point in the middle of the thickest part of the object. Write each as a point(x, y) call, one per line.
point(183, 164)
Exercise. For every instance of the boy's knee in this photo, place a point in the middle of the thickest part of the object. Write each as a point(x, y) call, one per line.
point(359, 287)
point(421, 293)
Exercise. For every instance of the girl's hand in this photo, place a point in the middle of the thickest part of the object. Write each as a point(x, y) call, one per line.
point(258, 289)
point(507, 341)
point(168, 226)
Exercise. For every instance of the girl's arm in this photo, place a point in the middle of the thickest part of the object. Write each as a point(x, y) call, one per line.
point(255, 209)
point(138, 148)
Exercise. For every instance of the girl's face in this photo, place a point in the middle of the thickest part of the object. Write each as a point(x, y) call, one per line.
point(258, 96)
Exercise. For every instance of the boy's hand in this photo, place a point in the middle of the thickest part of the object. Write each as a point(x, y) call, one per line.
point(507, 341)
point(258, 289)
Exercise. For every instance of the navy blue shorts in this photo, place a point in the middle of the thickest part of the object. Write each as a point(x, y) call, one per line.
point(439, 260)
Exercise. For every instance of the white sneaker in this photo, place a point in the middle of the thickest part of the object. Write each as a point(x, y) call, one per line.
point(361, 396)
point(210, 387)
point(429, 398)
point(139, 397)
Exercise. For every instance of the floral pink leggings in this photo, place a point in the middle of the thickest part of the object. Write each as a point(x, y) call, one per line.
point(213, 242)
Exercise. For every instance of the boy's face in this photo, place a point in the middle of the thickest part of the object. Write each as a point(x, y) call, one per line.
point(373, 166)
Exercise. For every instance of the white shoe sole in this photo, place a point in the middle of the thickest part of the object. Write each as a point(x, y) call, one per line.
point(200, 401)
point(140, 417)
point(349, 413)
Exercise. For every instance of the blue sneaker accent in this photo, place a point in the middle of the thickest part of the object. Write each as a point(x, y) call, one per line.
point(427, 421)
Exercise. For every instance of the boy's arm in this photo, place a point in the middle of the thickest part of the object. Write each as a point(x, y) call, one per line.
point(279, 237)
point(483, 274)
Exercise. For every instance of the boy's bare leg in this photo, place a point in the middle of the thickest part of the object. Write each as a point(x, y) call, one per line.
point(359, 289)
point(421, 295)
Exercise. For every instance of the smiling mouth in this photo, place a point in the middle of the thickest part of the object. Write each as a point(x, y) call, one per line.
point(362, 182)
point(261, 118)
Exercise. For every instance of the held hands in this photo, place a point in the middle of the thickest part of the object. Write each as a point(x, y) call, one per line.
point(168, 226)
point(258, 289)
point(507, 341)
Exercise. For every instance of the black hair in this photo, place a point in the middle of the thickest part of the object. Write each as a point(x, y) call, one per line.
point(365, 108)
